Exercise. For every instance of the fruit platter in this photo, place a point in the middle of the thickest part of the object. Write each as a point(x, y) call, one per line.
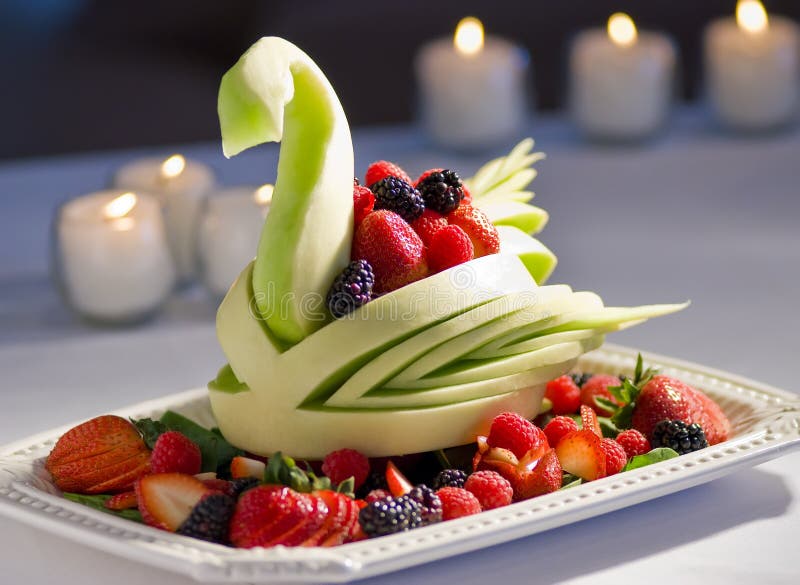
point(401, 383)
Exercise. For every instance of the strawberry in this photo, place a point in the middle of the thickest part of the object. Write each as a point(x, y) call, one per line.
point(589, 420)
point(122, 501)
point(580, 454)
point(381, 169)
point(397, 482)
point(543, 478)
point(425, 175)
point(363, 203)
point(103, 455)
point(245, 467)
point(449, 246)
point(394, 250)
point(174, 452)
point(597, 386)
point(467, 200)
point(345, 463)
point(484, 236)
point(564, 394)
point(428, 224)
point(335, 528)
point(272, 515)
point(667, 398)
point(166, 499)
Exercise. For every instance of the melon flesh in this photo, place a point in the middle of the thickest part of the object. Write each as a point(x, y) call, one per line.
point(523, 216)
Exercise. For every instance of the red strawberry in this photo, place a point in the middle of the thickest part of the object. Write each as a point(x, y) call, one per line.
point(363, 203)
point(427, 224)
point(634, 442)
point(122, 501)
point(335, 528)
point(103, 455)
point(394, 250)
point(543, 478)
point(491, 489)
point(580, 454)
point(272, 515)
point(597, 386)
point(449, 246)
point(467, 200)
point(484, 236)
point(457, 503)
point(558, 427)
point(166, 499)
point(174, 452)
point(397, 482)
point(345, 463)
point(589, 420)
point(564, 394)
point(425, 175)
point(246, 467)
point(381, 169)
point(616, 458)
point(667, 398)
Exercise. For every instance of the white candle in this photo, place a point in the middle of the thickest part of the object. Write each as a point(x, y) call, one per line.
point(181, 186)
point(621, 80)
point(114, 262)
point(472, 90)
point(753, 68)
point(229, 232)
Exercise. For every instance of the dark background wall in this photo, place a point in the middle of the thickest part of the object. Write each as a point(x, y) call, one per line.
point(94, 74)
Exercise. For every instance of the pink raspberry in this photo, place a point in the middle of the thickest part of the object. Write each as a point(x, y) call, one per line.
point(634, 442)
point(457, 502)
point(492, 489)
point(558, 427)
point(344, 463)
point(615, 456)
point(513, 432)
point(376, 495)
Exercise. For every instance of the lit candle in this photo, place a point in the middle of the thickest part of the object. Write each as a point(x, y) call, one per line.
point(472, 89)
point(621, 80)
point(112, 257)
point(229, 232)
point(753, 68)
point(181, 186)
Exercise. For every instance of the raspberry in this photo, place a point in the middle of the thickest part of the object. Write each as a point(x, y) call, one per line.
point(484, 236)
point(427, 224)
point(634, 442)
point(450, 246)
point(175, 453)
point(596, 386)
point(450, 478)
point(457, 502)
point(396, 195)
point(615, 456)
point(363, 203)
point(344, 463)
point(492, 489)
point(376, 495)
point(381, 169)
point(425, 175)
point(558, 427)
point(564, 394)
point(442, 191)
point(351, 289)
point(513, 432)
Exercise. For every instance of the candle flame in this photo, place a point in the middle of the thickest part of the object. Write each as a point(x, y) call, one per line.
point(468, 39)
point(263, 194)
point(173, 166)
point(751, 16)
point(621, 29)
point(120, 206)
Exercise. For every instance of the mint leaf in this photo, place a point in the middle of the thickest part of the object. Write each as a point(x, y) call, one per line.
point(606, 404)
point(655, 456)
point(98, 503)
point(216, 452)
point(150, 430)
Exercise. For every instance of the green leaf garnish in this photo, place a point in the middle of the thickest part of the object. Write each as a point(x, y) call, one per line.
point(627, 393)
point(215, 450)
point(655, 456)
point(568, 481)
point(98, 503)
point(150, 430)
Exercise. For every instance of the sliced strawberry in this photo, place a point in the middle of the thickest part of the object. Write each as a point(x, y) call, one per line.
point(543, 478)
point(246, 467)
point(398, 484)
point(270, 515)
point(580, 454)
point(166, 499)
point(311, 523)
point(338, 510)
point(122, 501)
point(589, 420)
point(355, 532)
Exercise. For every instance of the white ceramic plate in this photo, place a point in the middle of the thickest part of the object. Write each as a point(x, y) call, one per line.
point(766, 423)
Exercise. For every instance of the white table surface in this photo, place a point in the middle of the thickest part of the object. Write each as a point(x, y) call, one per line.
point(694, 215)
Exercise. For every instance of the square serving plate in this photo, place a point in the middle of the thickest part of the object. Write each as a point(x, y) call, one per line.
point(766, 424)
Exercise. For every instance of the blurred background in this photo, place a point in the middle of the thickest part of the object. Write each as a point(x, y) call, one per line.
point(86, 75)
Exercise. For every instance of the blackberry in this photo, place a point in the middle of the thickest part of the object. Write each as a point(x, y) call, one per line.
point(351, 289)
point(241, 485)
point(209, 519)
point(449, 478)
point(679, 436)
point(430, 504)
point(396, 195)
point(389, 516)
point(581, 379)
point(442, 191)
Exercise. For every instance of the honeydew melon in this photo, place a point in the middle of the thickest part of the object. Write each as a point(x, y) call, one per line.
point(528, 218)
point(505, 178)
point(275, 92)
point(538, 259)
